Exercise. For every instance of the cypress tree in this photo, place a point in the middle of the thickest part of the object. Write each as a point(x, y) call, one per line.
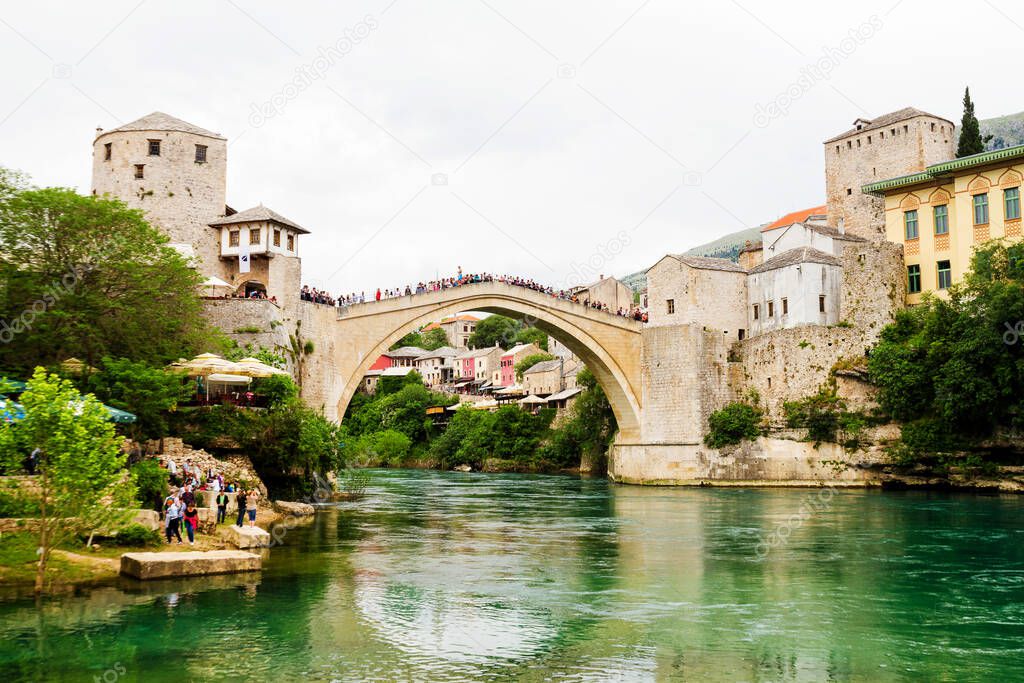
point(971, 141)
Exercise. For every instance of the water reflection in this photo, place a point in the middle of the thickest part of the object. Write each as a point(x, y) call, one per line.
point(440, 576)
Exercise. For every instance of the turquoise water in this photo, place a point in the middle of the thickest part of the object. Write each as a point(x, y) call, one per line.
point(452, 577)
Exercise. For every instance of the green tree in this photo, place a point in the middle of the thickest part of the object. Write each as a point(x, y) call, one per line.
point(959, 362)
point(80, 463)
point(532, 335)
point(588, 432)
point(89, 277)
point(433, 339)
point(150, 482)
point(971, 141)
point(495, 329)
point(414, 338)
point(148, 392)
point(531, 360)
point(278, 389)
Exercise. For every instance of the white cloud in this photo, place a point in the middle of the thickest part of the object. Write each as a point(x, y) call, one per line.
point(541, 168)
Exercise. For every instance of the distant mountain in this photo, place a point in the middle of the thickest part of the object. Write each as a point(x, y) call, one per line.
point(728, 246)
point(1006, 131)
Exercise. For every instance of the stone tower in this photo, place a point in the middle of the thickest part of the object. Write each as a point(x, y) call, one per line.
point(896, 144)
point(175, 172)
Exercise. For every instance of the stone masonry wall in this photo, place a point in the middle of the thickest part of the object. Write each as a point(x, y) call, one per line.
point(862, 157)
point(787, 365)
point(178, 195)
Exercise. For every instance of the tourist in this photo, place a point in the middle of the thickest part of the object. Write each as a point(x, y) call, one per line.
point(250, 506)
point(187, 496)
point(222, 506)
point(172, 469)
point(240, 500)
point(191, 522)
point(172, 524)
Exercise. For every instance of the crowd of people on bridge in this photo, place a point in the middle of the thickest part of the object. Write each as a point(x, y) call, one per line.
point(463, 279)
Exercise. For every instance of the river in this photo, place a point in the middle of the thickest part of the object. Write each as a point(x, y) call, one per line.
point(439, 576)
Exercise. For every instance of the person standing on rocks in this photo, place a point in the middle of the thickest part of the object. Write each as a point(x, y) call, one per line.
point(222, 506)
point(250, 505)
point(191, 522)
point(240, 499)
point(173, 520)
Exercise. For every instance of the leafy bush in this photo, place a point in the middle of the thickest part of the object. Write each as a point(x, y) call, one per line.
point(278, 389)
point(248, 329)
point(734, 423)
point(137, 535)
point(146, 391)
point(150, 483)
point(15, 503)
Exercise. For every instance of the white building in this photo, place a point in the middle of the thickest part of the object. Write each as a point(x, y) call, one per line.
point(437, 366)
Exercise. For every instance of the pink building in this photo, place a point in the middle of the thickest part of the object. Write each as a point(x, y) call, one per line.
point(513, 356)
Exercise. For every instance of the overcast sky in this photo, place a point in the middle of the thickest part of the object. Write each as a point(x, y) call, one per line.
point(521, 137)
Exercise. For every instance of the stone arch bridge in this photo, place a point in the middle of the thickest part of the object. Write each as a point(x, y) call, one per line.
point(610, 345)
point(661, 381)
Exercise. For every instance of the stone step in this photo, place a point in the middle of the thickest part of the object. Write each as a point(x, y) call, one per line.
point(246, 537)
point(167, 565)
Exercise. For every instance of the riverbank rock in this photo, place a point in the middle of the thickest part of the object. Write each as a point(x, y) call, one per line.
point(236, 468)
point(294, 509)
point(246, 537)
point(146, 566)
point(462, 468)
point(149, 519)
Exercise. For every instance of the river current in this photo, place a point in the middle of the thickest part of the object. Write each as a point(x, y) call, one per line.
point(438, 576)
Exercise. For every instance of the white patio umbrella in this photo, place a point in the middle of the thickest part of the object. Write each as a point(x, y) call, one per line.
point(214, 283)
point(254, 367)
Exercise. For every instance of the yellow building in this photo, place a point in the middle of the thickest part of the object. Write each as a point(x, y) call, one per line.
point(941, 214)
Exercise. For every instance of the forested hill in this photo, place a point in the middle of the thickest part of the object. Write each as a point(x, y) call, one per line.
point(1006, 131)
point(727, 246)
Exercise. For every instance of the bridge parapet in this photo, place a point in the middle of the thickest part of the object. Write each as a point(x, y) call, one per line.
point(478, 290)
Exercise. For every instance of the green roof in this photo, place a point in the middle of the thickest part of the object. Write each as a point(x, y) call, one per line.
point(944, 169)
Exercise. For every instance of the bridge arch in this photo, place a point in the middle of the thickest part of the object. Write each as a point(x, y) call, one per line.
point(609, 345)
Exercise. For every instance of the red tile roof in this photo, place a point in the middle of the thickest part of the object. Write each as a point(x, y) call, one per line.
point(795, 217)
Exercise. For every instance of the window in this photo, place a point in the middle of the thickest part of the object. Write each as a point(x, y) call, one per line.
point(914, 279)
point(291, 242)
point(277, 238)
point(910, 224)
point(981, 209)
point(849, 144)
point(1011, 202)
point(233, 238)
point(139, 173)
point(200, 154)
point(757, 312)
point(941, 215)
point(154, 148)
point(771, 309)
point(945, 275)
point(821, 303)
point(785, 306)
point(106, 151)
point(933, 127)
point(869, 139)
point(849, 191)
point(670, 306)
point(254, 235)
point(742, 334)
